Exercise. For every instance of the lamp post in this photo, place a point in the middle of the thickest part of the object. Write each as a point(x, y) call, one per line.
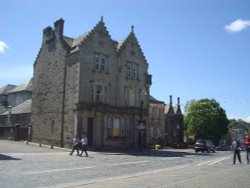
point(141, 127)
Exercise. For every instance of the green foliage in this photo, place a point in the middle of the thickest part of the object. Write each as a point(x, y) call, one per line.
point(205, 119)
point(233, 123)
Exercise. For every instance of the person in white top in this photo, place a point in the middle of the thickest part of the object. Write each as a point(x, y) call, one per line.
point(84, 143)
point(76, 144)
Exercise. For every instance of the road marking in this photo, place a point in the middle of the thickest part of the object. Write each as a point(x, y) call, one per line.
point(212, 162)
point(218, 160)
point(59, 170)
point(87, 167)
point(127, 163)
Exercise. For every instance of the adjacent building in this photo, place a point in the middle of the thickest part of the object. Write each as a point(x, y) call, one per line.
point(15, 110)
point(174, 130)
point(4, 97)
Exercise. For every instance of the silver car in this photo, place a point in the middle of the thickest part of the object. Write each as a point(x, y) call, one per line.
point(204, 145)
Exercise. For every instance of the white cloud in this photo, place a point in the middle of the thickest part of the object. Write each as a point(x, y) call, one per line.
point(3, 46)
point(247, 119)
point(237, 25)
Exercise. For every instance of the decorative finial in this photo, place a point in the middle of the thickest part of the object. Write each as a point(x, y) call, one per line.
point(101, 18)
point(132, 29)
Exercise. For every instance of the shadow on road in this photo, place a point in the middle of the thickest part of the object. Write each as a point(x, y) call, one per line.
point(150, 153)
point(6, 157)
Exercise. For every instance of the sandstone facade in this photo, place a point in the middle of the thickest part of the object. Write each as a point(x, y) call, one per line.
point(90, 85)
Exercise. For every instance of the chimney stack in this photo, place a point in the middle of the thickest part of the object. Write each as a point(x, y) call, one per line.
point(59, 28)
point(47, 34)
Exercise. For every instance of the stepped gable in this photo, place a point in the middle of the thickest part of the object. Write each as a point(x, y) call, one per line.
point(99, 28)
point(131, 37)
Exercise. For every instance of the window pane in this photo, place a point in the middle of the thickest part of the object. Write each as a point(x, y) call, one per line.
point(97, 63)
point(116, 128)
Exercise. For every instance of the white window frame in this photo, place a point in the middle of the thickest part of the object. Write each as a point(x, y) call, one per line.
point(101, 63)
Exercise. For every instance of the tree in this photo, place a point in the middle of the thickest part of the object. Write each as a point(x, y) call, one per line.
point(238, 124)
point(206, 119)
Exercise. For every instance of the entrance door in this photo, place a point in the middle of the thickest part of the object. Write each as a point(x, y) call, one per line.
point(90, 131)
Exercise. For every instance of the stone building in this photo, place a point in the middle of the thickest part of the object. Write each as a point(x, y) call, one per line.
point(174, 130)
point(15, 111)
point(4, 97)
point(89, 85)
point(16, 104)
point(156, 120)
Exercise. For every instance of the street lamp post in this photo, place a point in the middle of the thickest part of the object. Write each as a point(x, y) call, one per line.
point(141, 127)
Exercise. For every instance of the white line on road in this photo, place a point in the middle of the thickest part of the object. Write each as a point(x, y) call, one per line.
point(135, 162)
point(87, 167)
point(212, 162)
point(59, 170)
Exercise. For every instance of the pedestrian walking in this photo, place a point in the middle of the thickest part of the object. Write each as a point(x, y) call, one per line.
point(247, 148)
point(140, 140)
point(76, 145)
point(84, 143)
point(236, 148)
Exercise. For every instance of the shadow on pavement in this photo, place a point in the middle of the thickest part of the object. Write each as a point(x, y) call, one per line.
point(6, 157)
point(149, 153)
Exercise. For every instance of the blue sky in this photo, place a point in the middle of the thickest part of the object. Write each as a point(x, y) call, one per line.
point(195, 49)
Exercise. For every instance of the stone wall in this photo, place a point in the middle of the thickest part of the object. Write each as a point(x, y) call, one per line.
point(48, 89)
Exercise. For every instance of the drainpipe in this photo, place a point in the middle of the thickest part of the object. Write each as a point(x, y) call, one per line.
point(63, 105)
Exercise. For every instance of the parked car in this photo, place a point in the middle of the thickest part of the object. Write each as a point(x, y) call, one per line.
point(223, 147)
point(204, 145)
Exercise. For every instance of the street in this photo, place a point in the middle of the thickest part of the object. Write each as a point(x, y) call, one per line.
point(27, 166)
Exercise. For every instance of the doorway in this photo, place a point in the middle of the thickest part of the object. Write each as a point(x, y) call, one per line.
point(90, 131)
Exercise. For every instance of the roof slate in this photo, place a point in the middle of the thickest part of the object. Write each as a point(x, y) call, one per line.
point(26, 86)
point(22, 108)
point(6, 88)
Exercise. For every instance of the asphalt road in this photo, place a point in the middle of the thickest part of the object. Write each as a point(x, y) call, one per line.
point(27, 166)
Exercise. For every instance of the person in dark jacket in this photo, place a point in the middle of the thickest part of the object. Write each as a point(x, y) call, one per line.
point(76, 145)
point(236, 148)
point(247, 148)
point(84, 143)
